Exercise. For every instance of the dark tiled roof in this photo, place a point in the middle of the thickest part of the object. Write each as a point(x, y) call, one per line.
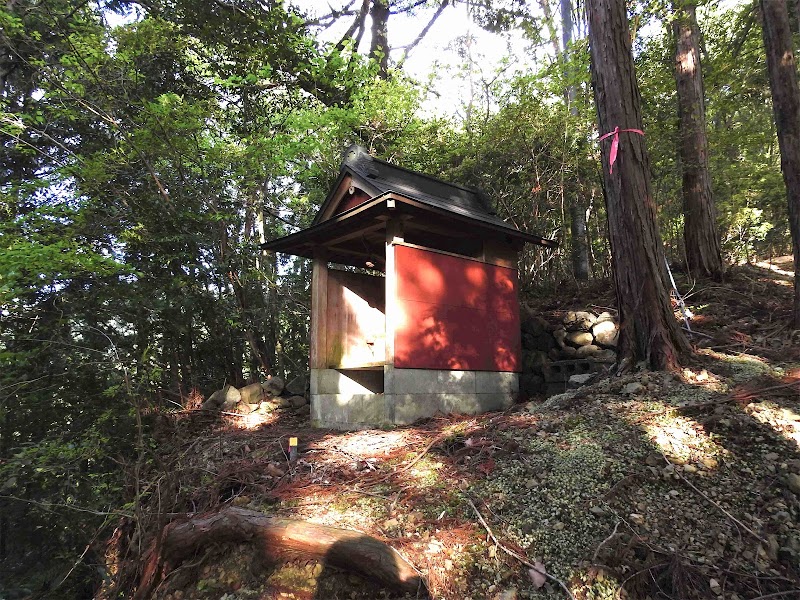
point(384, 177)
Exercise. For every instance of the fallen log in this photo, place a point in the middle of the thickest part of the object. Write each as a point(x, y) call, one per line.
point(277, 539)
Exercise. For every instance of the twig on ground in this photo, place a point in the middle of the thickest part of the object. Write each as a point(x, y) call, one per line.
point(516, 555)
point(778, 594)
point(605, 541)
point(716, 504)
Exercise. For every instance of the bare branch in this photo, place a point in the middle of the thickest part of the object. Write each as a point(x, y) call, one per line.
point(423, 33)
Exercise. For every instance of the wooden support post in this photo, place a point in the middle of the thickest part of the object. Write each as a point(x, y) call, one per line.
point(394, 235)
point(318, 342)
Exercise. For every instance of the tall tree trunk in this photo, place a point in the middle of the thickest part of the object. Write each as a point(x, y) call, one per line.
point(700, 231)
point(649, 330)
point(786, 107)
point(577, 212)
point(379, 47)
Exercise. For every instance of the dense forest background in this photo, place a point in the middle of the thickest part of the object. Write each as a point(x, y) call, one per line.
point(149, 147)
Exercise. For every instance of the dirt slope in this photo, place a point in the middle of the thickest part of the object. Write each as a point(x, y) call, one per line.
point(648, 485)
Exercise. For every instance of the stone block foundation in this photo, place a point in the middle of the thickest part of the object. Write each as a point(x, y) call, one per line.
point(360, 399)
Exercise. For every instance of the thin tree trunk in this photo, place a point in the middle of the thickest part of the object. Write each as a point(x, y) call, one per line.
point(786, 107)
point(700, 231)
point(577, 212)
point(649, 330)
point(379, 46)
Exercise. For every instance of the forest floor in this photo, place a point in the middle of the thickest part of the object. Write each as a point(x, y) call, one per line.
point(646, 485)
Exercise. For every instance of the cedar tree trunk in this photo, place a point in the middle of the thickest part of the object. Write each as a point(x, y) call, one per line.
point(648, 328)
point(786, 107)
point(580, 249)
point(379, 47)
point(701, 236)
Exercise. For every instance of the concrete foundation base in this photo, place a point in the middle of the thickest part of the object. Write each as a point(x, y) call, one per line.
point(358, 399)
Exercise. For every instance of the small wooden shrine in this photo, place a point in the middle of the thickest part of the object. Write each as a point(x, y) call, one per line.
point(434, 327)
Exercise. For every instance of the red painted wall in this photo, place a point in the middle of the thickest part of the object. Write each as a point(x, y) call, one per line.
point(349, 201)
point(455, 313)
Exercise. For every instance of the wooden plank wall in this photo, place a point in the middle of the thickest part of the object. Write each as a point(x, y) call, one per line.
point(356, 320)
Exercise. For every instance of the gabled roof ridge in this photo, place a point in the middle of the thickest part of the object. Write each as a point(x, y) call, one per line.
point(363, 151)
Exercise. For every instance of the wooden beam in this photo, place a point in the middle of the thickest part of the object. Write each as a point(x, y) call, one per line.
point(318, 339)
point(394, 236)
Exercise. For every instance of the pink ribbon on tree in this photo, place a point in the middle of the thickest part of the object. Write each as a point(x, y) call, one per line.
point(612, 157)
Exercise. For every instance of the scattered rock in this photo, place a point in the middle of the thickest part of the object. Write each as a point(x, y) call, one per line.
point(298, 386)
point(509, 594)
point(653, 460)
point(576, 381)
point(560, 335)
point(224, 399)
point(793, 480)
point(716, 588)
point(569, 352)
point(243, 408)
point(252, 394)
point(597, 510)
point(605, 333)
point(579, 320)
point(273, 386)
point(297, 401)
point(588, 350)
point(636, 519)
point(633, 388)
point(772, 456)
point(689, 469)
point(580, 338)
point(605, 356)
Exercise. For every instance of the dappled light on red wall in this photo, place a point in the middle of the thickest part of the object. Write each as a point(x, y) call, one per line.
point(456, 313)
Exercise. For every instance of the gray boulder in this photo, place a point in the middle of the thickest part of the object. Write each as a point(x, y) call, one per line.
point(223, 399)
point(605, 334)
point(588, 350)
point(580, 338)
point(297, 401)
point(252, 394)
point(298, 386)
point(273, 386)
point(579, 320)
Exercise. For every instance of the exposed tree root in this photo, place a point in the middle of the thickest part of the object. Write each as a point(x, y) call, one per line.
point(277, 539)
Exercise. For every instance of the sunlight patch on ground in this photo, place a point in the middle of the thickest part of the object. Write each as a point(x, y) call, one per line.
point(784, 421)
point(704, 378)
point(366, 444)
point(252, 421)
point(743, 366)
point(776, 269)
point(682, 438)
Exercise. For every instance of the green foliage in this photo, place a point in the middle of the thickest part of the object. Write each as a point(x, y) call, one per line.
point(142, 165)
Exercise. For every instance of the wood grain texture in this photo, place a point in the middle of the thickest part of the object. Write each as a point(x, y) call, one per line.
point(649, 330)
point(277, 539)
point(786, 107)
point(700, 231)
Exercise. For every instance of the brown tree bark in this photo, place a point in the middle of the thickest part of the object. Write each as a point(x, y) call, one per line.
point(277, 539)
point(379, 46)
point(577, 210)
point(786, 107)
point(649, 330)
point(700, 231)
